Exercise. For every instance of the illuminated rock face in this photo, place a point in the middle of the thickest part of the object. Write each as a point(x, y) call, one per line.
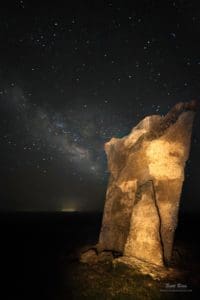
point(146, 177)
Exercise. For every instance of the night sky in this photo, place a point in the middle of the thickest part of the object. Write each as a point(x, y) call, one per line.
point(74, 75)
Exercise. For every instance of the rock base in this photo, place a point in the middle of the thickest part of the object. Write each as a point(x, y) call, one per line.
point(92, 256)
point(145, 268)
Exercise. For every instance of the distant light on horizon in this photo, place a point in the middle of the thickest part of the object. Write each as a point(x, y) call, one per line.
point(69, 209)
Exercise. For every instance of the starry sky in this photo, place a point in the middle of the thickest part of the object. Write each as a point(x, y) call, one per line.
point(74, 75)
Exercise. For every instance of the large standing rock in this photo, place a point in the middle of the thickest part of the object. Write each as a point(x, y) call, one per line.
point(146, 176)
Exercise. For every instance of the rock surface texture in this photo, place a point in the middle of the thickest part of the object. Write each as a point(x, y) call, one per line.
point(146, 177)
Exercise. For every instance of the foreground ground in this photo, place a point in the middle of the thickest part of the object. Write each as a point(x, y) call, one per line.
point(101, 281)
point(39, 261)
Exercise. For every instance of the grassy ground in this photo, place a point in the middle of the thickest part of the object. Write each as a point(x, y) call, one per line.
point(102, 281)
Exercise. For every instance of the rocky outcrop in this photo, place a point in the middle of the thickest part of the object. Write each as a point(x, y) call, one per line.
point(146, 177)
point(92, 256)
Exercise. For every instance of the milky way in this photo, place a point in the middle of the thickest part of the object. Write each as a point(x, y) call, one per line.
point(76, 134)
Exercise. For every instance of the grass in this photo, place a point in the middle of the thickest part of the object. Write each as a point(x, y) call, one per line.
point(102, 281)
